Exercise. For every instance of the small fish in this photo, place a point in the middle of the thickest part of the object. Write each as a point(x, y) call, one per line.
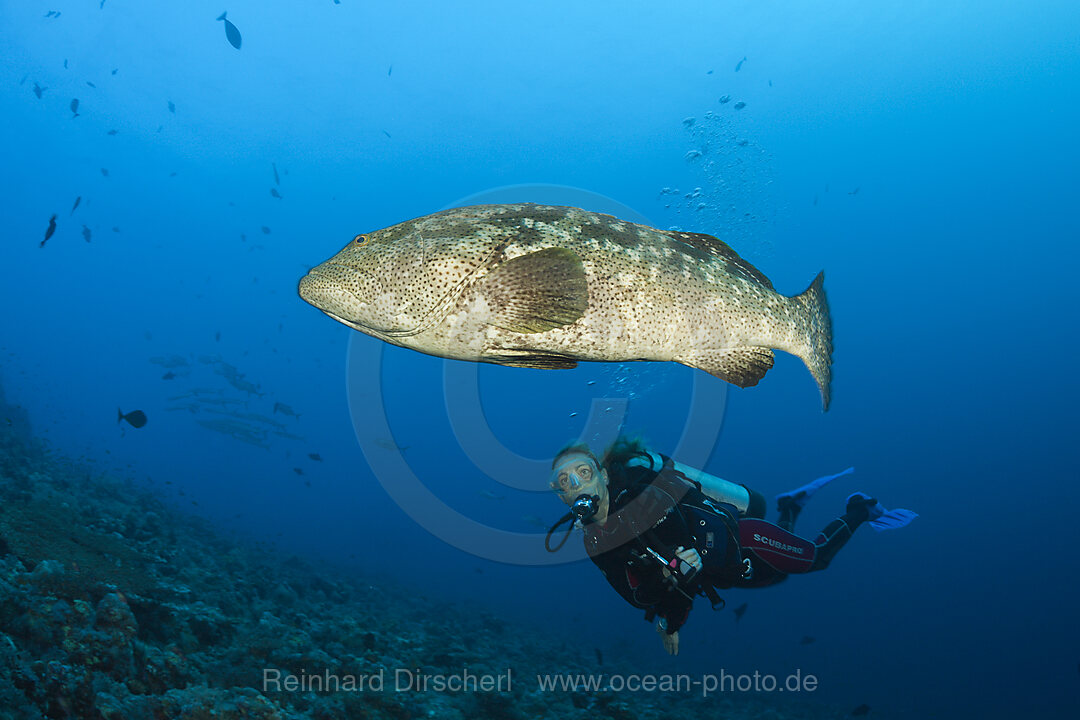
point(231, 33)
point(390, 70)
point(275, 193)
point(386, 133)
point(284, 410)
point(217, 336)
point(863, 709)
point(739, 612)
point(102, 5)
point(49, 230)
point(91, 84)
point(770, 83)
point(307, 483)
point(738, 66)
point(51, 13)
point(490, 495)
point(315, 456)
point(38, 90)
point(111, 132)
point(65, 59)
point(135, 418)
point(807, 640)
point(854, 192)
point(708, 72)
point(298, 471)
point(74, 108)
point(688, 122)
point(86, 233)
point(105, 172)
point(172, 108)
point(77, 201)
point(116, 230)
point(739, 105)
point(266, 230)
point(725, 99)
point(115, 70)
point(277, 180)
point(168, 376)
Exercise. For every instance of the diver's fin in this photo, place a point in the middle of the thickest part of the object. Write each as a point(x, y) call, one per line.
point(880, 518)
point(538, 292)
point(892, 519)
point(546, 361)
point(801, 495)
point(223, 16)
point(743, 366)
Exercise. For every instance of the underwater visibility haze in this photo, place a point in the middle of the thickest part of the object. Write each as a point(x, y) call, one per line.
point(214, 495)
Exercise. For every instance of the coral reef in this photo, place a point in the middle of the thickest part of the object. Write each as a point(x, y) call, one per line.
point(113, 606)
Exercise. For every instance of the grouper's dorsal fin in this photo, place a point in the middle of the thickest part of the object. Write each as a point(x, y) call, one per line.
point(719, 248)
point(538, 292)
point(744, 366)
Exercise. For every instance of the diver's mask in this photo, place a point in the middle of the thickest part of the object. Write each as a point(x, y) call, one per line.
point(575, 477)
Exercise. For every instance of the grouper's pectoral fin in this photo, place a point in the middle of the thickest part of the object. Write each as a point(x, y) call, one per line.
point(743, 366)
point(543, 361)
point(538, 292)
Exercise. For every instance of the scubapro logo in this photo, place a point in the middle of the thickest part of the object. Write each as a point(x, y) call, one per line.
point(778, 545)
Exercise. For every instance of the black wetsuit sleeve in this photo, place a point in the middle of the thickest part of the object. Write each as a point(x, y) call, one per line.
point(617, 551)
point(642, 584)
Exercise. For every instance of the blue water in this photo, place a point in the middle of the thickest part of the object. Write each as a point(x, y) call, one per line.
point(924, 154)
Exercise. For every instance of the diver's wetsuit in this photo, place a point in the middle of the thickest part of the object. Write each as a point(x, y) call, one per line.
point(663, 509)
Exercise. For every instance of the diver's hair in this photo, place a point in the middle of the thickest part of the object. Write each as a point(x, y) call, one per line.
point(625, 449)
point(575, 447)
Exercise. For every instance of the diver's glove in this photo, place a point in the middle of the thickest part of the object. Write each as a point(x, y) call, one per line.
point(689, 560)
point(670, 641)
point(686, 561)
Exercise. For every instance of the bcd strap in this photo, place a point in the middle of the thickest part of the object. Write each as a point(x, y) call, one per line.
point(723, 560)
point(714, 598)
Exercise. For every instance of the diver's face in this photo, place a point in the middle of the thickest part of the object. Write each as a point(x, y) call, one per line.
point(576, 474)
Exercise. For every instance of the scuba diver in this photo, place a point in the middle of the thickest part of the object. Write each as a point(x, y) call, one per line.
point(662, 532)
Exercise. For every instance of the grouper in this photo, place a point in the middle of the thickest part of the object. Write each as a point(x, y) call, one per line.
point(539, 286)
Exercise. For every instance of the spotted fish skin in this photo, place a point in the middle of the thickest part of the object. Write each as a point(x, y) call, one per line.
point(547, 286)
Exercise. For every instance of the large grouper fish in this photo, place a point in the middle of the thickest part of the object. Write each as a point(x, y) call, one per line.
point(540, 286)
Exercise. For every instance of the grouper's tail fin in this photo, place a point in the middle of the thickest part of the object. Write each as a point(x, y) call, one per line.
point(814, 342)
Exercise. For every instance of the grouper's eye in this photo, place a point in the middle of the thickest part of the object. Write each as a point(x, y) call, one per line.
point(360, 239)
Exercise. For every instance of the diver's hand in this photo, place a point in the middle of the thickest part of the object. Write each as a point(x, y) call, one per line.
point(690, 557)
point(671, 642)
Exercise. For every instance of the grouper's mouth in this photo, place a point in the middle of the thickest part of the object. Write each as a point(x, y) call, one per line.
point(317, 290)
